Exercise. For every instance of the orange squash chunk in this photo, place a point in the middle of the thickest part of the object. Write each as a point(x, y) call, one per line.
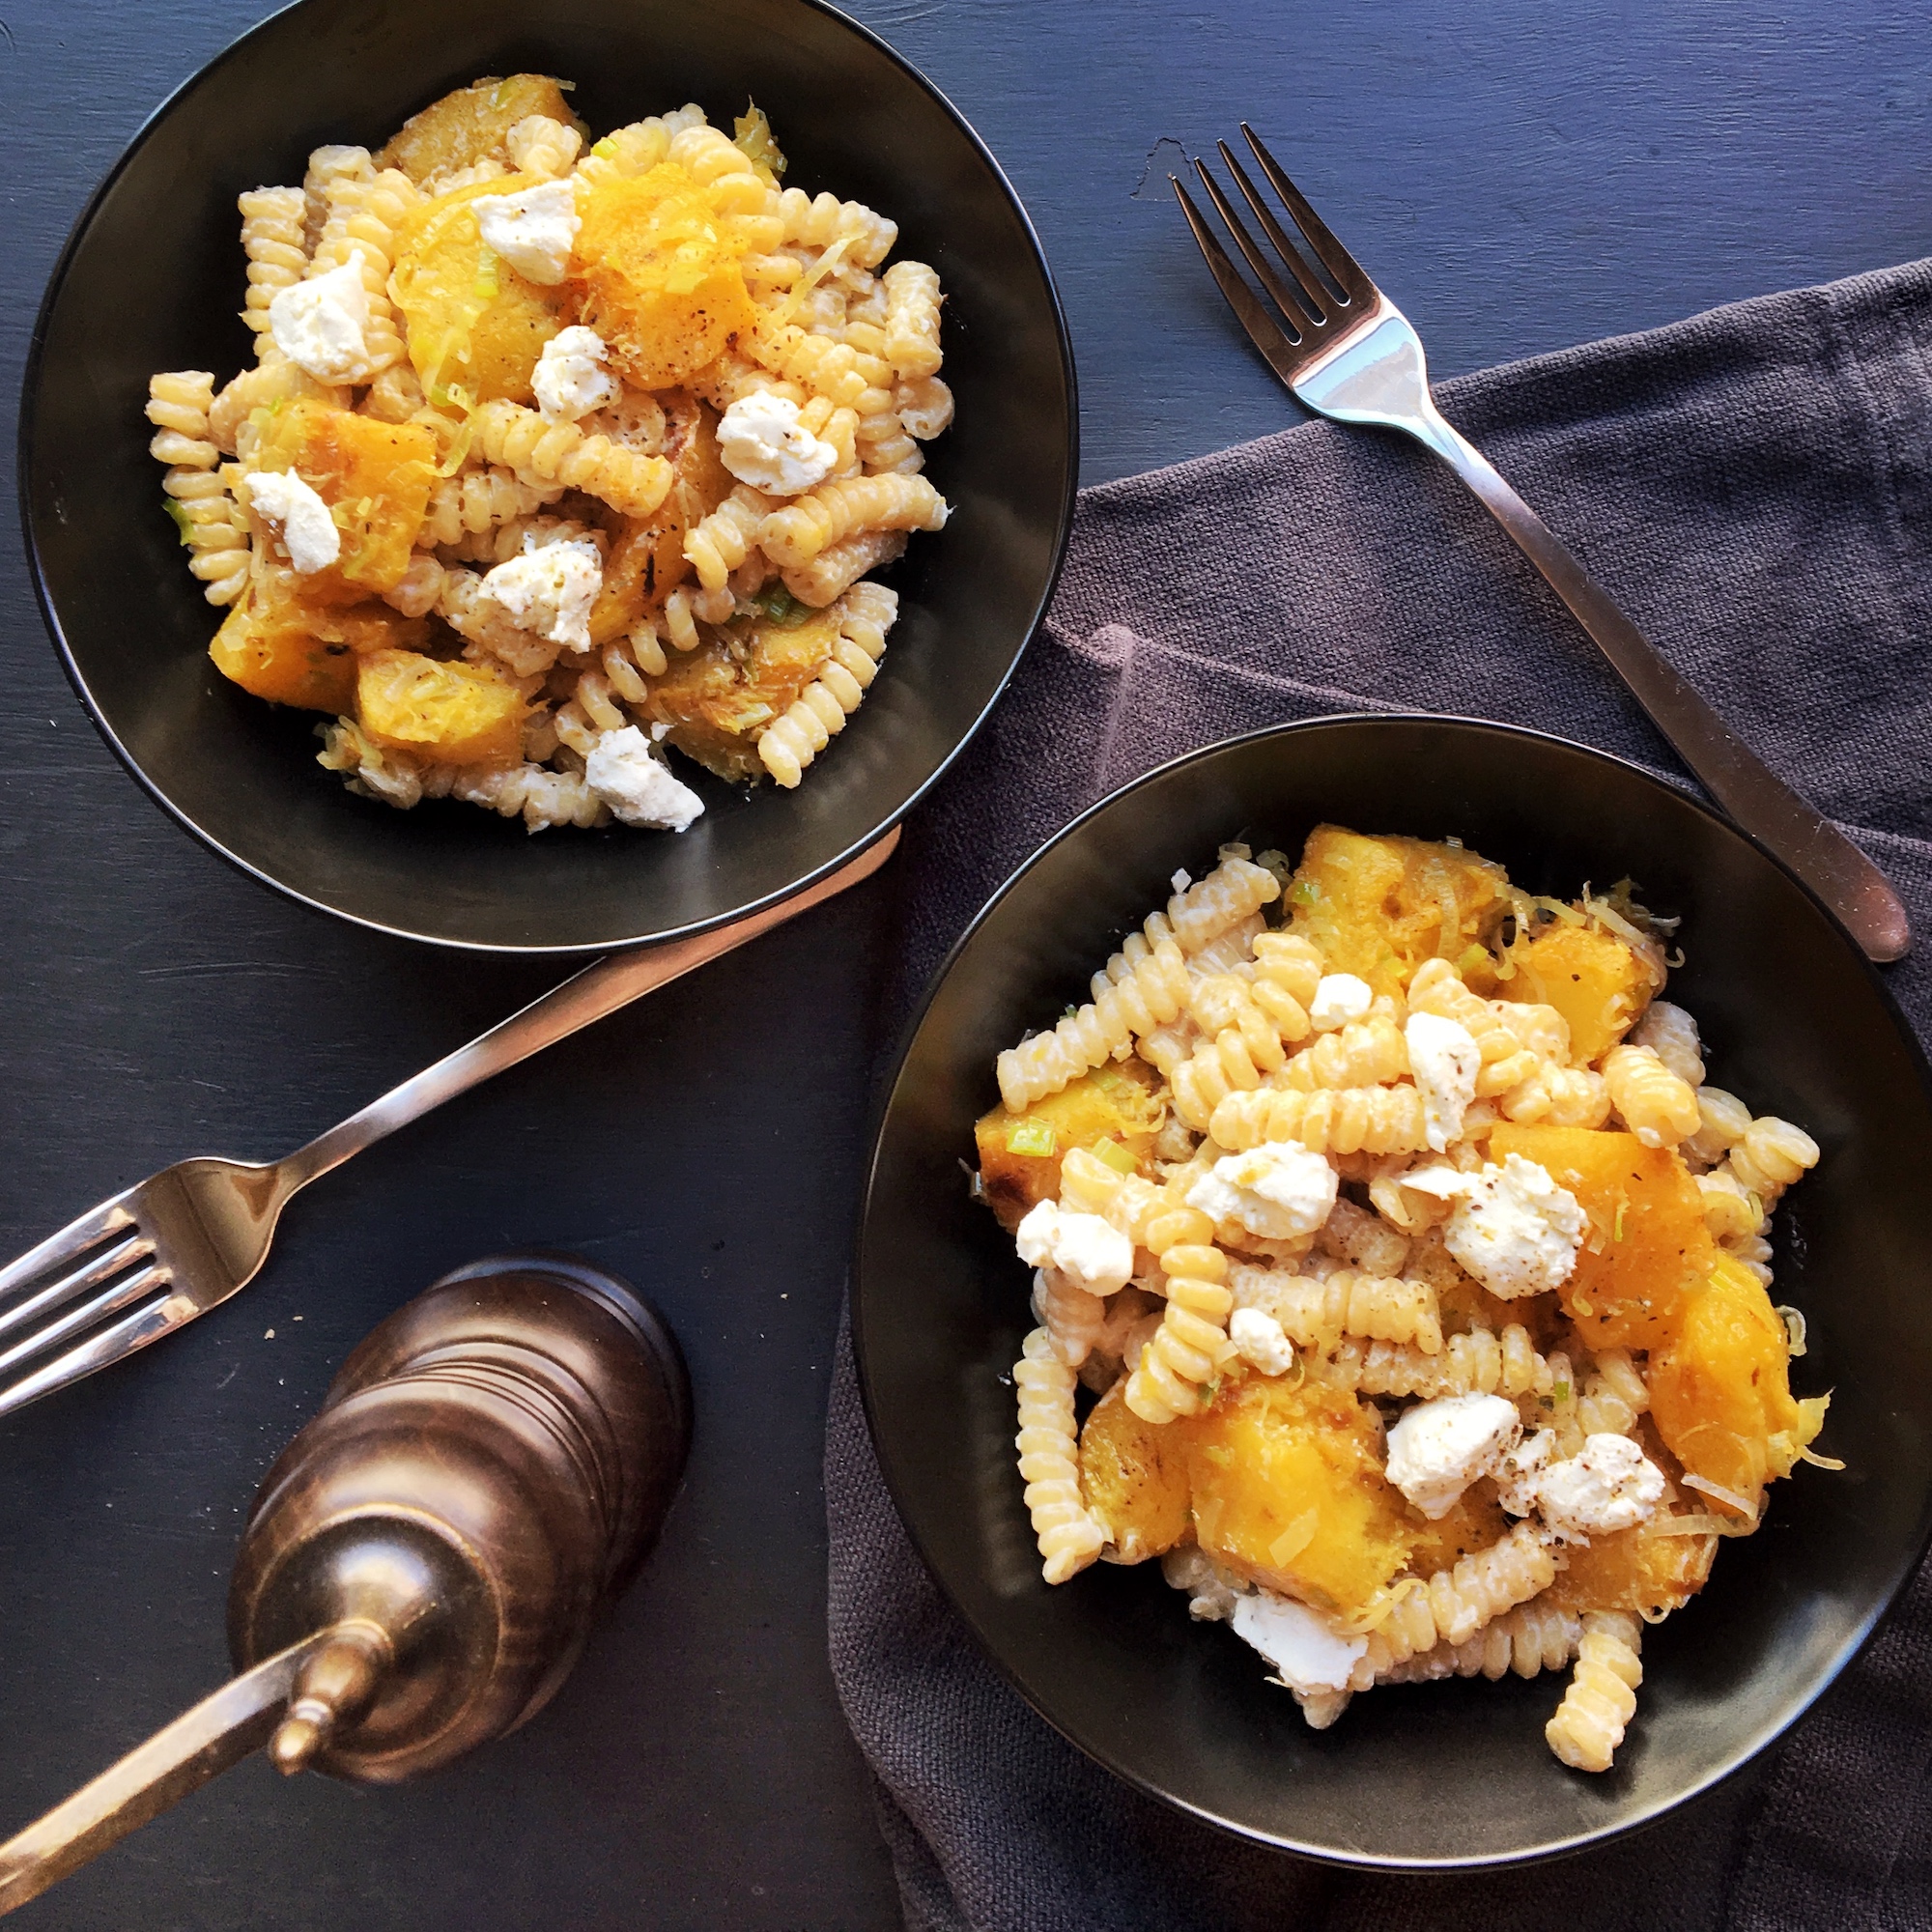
point(470, 124)
point(1378, 907)
point(295, 653)
point(1287, 1489)
point(1630, 1570)
point(659, 275)
point(1474, 1522)
point(1134, 1476)
point(1020, 1154)
point(1720, 1392)
point(374, 477)
point(1599, 983)
point(1646, 1249)
point(453, 713)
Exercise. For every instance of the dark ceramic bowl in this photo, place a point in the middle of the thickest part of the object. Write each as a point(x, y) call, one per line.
point(1453, 1774)
point(153, 277)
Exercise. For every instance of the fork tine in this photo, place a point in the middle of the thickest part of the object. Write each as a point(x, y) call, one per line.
point(104, 1262)
point(117, 1296)
point(1303, 316)
point(72, 1242)
point(1264, 330)
point(1316, 296)
point(106, 1346)
point(1350, 275)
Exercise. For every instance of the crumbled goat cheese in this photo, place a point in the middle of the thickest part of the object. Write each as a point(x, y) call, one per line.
point(1298, 1641)
point(1609, 1484)
point(640, 788)
point(322, 324)
point(1259, 1341)
point(760, 443)
point(1276, 1190)
point(1512, 1227)
point(570, 379)
point(1439, 1448)
point(300, 518)
point(548, 590)
point(532, 229)
point(1090, 1253)
point(1445, 1060)
point(1338, 998)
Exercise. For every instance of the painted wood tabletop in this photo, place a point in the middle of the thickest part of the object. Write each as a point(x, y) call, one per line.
point(1518, 177)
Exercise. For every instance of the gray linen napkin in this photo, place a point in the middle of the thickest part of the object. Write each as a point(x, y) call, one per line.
point(1754, 485)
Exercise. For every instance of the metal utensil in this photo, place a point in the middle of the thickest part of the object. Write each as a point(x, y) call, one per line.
point(1348, 352)
point(181, 1242)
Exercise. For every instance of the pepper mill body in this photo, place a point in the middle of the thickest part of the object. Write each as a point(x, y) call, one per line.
point(485, 1475)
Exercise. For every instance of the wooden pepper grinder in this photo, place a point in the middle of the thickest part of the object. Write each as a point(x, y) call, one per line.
point(423, 1563)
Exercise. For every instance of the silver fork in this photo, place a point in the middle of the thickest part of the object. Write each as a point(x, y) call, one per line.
point(152, 1259)
point(1348, 352)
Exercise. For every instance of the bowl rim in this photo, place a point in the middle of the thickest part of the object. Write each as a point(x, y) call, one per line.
point(882, 1108)
point(25, 466)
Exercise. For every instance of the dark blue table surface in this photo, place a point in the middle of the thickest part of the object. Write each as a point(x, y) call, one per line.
point(1517, 176)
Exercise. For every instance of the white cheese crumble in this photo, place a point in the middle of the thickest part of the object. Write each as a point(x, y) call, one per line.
point(299, 517)
point(322, 324)
point(1261, 1342)
point(570, 379)
point(1276, 1190)
point(1338, 999)
point(532, 229)
point(1090, 1253)
point(1609, 1484)
point(760, 443)
point(1444, 1058)
point(548, 590)
point(1439, 1448)
point(1298, 1641)
point(639, 788)
point(1512, 1227)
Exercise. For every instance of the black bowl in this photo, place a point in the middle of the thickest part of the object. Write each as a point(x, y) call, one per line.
point(151, 280)
point(1453, 1774)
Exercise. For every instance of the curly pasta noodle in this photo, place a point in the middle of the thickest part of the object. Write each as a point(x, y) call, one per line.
point(1671, 1034)
point(1148, 992)
point(540, 798)
point(1072, 1317)
point(543, 452)
point(1658, 1107)
point(1288, 970)
point(1437, 989)
point(924, 406)
point(269, 381)
point(912, 319)
point(1722, 1121)
point(833, 572)
point(1049, 1445)
point(538, 145)
point(724, 170)
point(1476, 1363)
point(1533, 1637)
point(272, 239)
point(479, 500)
point(1559, 1096)
point(1236, 889)
point(819, 221)
point(211, 527)
point(1234, 1061)
point(865, 614)
point(1613, 1395)
point(1317, 1314)
point(1732, 1212)
point(1191, 1345)
point(720, 541)
point(1335, 1119)
point(1771, 1155)
point(395, 395)
point(793, 535)
point(1362, 1240)
point(1453, 1604)
point(420, 588)
point(474, 615)
point(1589, 1724)
point(816, 364)
point(363, 217)
point(327, 167)
point(1365, 1053)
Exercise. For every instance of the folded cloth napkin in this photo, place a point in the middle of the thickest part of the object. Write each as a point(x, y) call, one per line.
point(1754, 485)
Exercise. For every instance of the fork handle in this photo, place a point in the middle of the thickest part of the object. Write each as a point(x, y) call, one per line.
point(1754, 796)
point(588, 995)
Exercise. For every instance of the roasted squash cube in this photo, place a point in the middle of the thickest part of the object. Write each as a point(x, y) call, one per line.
point(1134, 1475)
point(468, 126)
point(659, 275)
point(1020, 1154)
point(474, 323)
point(1720, 1392)
point(374, 477)
point(1633, 1569)
point(281, 646)
point(1378, 907)
point(1646, 1248)
point(452, 713)
point(1598, 981)
point(1288, 1488)
point(1474, 1522)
